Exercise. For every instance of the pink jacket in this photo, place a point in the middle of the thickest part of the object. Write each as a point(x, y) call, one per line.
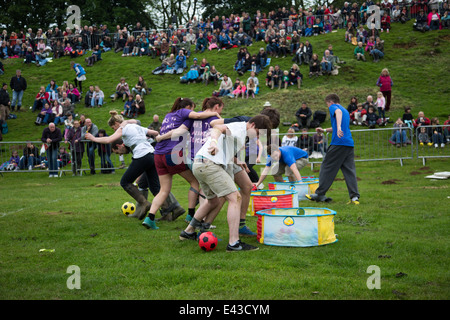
point(385, 83)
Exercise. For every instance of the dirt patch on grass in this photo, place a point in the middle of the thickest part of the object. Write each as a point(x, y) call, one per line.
point(425, 168)
point(414, 173)
point(55, 213)
point(405, 45)
point(392, 181)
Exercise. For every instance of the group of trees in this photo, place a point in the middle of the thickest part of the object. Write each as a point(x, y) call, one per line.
point(21, 14)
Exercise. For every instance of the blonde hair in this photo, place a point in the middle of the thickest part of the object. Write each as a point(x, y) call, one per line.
point(115, 117)
point(385, 71)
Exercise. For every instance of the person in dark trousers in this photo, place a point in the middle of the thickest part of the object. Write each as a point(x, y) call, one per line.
point(18, 85)
point(52, 136)
point(340, 154)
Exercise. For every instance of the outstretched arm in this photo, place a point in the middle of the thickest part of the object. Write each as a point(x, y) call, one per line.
point(105, 140)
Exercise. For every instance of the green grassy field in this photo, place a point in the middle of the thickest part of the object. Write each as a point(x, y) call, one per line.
point(401, 225)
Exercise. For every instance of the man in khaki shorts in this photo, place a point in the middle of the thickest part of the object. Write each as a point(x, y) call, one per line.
point(213, 167)
point(288, 160)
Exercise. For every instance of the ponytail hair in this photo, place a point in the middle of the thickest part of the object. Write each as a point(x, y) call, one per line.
point(182, 103)
point(115, 117)
point(210, 102)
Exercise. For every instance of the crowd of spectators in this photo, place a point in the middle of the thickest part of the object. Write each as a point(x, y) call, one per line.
point(278, 34)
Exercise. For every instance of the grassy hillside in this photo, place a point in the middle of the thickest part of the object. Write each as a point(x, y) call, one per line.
point(418, 63)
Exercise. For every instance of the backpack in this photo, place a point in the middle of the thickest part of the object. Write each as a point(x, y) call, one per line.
point(318, 117)
point(4, 127)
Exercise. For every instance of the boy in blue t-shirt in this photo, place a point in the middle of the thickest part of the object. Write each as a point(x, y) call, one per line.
point(290, 161)
point(340, 154)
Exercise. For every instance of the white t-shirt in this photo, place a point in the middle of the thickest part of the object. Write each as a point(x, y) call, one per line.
point(228, 144)
point(289, 141)
point(135, 137)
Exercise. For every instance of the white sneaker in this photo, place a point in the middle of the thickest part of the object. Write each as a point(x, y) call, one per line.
point(442, 145)
point(30, 168)
point(436, 145)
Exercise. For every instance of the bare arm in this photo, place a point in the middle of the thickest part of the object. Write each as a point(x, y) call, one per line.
point(203, 115)
point(172, 133)
point(296, 172)
point(105, 140)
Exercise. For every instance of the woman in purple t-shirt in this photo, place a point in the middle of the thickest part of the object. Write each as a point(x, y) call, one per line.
point(169, 154)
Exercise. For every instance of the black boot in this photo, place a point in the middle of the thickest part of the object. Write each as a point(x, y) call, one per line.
point(144, 205)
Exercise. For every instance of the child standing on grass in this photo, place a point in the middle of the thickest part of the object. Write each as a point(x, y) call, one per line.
point(381, 105)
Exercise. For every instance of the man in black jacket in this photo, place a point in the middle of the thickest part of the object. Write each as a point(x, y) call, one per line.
point(303, 116)
point(52, 137)
point(18, 85)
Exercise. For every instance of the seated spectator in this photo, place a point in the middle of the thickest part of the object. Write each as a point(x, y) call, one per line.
point(58, 50)
point(446, 130)
point(164, 49)
point(226, 86)
point(434, 20)
point(97, 97)
point(96, 56)
point(141, 87)
point(167, 65)
point(369, 103)
point(408, 118)
point(445, 20)
point(437, 134)
point(106, 45)
point(127, 107)
point(361, 34)
point(193, 75)
point(137, 107)
point(12, 164)
point(385, 22)
point(41, 57)
point(290, 139)
point(372, 118)
point(129, 46)
point(63, 158)
point(122, 90)
point(52, 89)
point(214, 75)
point(359, 116)
point(423, 137)
point(261, 60)
point(240, 89)
point(88, 97)
point(41, 99)
point(156, 124)
point(73, 94)
point(201, 43)
point(359, 52)
point(295, 77)
point(320, 145)
point(421, 22)
point(303, 116)
point(353, 105)
point(45, 115)
point(327, 62)
point(251, 88)
point(30, 157)
point(378, 50)
point(349, 32)
point(276, 78)
point(57, 113)
point(305, 141)
point(421, 120)
point(399, 136)
point(314, 65)
point(318, 27)
point(180, 62)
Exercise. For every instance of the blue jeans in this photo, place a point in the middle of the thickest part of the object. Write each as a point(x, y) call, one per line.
point(98, 102)
point(327, 66)
point(223, 92)
point(438, 138)
point(52, 158)
point(26, 161)
point(399, 137)
point(377, 54)
point(90, 149)
point(17, 97)
point(41, 61)
point(38, 104)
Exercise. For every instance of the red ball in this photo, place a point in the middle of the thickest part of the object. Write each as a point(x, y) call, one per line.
point(207, 241)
